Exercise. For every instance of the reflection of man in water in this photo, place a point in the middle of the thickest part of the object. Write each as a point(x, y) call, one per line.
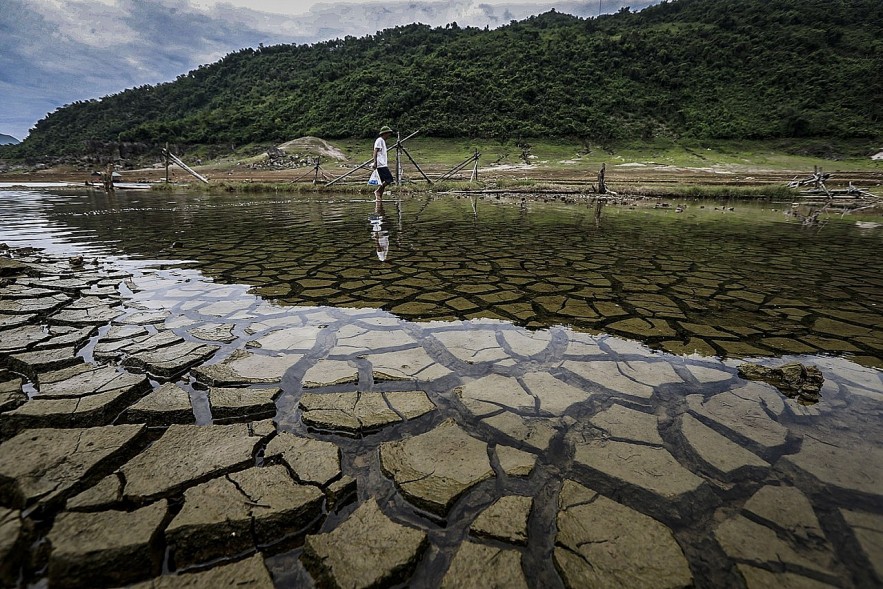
point(378, 234)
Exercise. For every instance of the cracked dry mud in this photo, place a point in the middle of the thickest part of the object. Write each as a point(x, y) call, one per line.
point(197, 436)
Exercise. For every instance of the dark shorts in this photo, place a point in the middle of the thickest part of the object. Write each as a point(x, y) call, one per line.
point(385, 175)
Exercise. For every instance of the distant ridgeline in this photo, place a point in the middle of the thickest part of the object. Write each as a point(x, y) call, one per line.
point(703, 69)
point(8, 140)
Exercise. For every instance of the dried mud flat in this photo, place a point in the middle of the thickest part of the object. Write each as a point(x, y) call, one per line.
point(158, 430)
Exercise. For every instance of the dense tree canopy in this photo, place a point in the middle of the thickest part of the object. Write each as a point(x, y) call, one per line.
point(726, 69)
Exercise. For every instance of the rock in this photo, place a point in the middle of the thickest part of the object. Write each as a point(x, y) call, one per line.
point(311, 461)
point(186, 455)
point(327, 373)
point(91, 316)
point(173, 360)
point(756, 578)
point(166, 405)
point(476, 566)
point(11, 395)
point(107, 350)
point(44, 465)
point(112, 547)
point(242, 404)
point(10, 544)
point(361, 412)
point(94, 381)
point(743, 415)
point(554, 396)
point(227, 515)
point(367, 550)
point(794, 380)
point(855, 467)
point(242, 368)
point(746, 541)
point(32, 363)
point(215, 333)
point(78, 412)
point(20, 339)
point(244, 574)
point(515, 462)
point(715, 450)
point(433, 469)
point(40, 305)
point(868, 529)
point(601, 543)
point(413, 364)
point(788, 509)
point(492, 393)
point(505, 520)
point(10, 267)
point(104, 495)
point(625, 424)
point(536, 432)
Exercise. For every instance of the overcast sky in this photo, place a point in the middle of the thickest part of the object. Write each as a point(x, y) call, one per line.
point(55, 52)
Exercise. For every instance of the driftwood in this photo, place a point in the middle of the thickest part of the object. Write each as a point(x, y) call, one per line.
point(849, 199)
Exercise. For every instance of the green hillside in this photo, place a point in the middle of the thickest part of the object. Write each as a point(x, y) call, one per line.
point(685, 69)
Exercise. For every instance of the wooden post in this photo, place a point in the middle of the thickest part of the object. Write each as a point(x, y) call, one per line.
point(598, 204)
point(474, 177)
point(316, 179)
point(166, 153)
point(398, 159)
point(602, 186)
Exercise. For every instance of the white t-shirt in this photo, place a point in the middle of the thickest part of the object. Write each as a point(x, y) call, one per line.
point(381, 157)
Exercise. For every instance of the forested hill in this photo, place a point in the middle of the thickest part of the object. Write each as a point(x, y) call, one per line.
point(743, 69)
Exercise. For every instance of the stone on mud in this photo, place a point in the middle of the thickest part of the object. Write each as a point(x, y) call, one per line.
point(716, 450)
point(757, 578)
point(116, 547)
point(166, 405)
point(433, 469)
point(186, 455)
point(32, 363)
point(492, 393)
point(326, 373)
point(868, 529)
point(413, 364)
point(367, 550)
point(504, 520)
point(243, 368)
point(625, 424)
point(311, 461)
point(515, 462)
point(362, 412)
point(173, 360)
point(601, 543)
point(229, 515)
point(95, 381)
point(92, 316)
point(107, 350)
point(749, 542)
point(10, 540)
point(249, 573)
point(43, 465)
point(477, 566)
point(854, 467)
point(241, 404)
point(742, 414)
point(554, 396)
point(649, 468)
point(11, 395)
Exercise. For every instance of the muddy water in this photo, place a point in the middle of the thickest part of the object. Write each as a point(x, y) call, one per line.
point(729, 280)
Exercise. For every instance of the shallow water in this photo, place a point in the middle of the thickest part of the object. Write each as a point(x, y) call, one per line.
point(744, 482)
point(732, 283)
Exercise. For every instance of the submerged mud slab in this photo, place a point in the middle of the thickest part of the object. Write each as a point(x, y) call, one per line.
point(320, 446)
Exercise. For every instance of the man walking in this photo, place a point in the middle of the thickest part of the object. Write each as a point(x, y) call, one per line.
point(381, 163)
